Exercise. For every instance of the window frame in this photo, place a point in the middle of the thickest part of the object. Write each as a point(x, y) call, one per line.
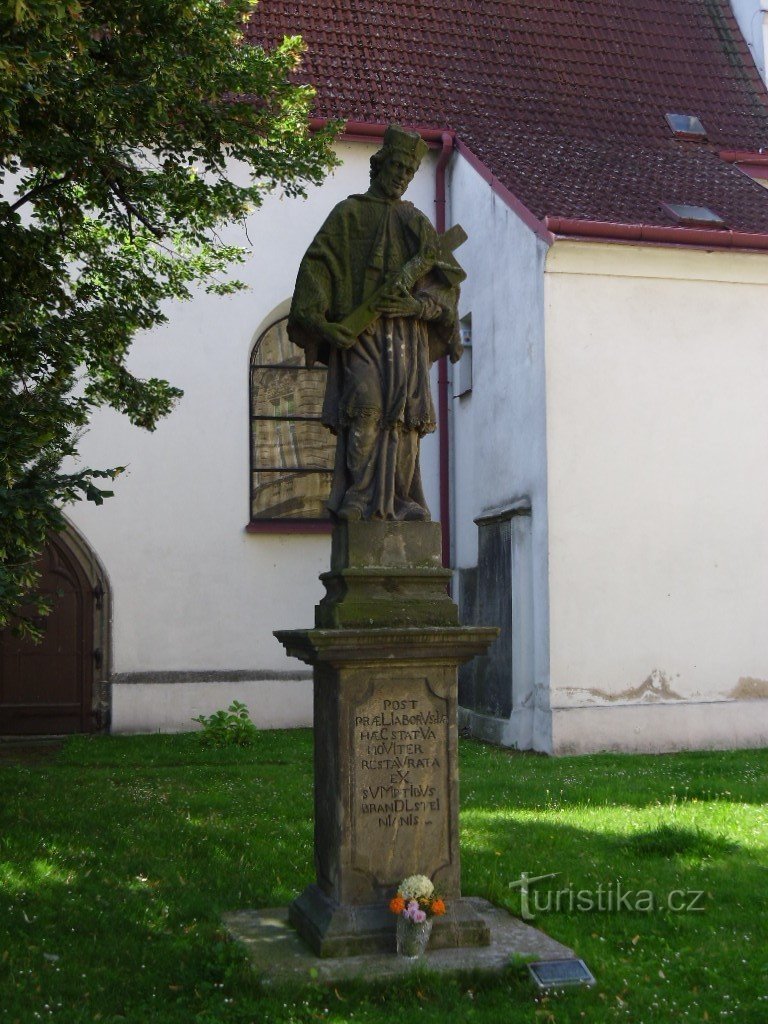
point(287, 524)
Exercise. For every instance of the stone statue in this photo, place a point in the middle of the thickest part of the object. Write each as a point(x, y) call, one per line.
point(376, 300)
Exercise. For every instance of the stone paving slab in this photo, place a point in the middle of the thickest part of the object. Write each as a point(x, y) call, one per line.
point(278, 954)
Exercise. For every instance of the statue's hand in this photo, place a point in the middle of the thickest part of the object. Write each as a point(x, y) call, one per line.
point(400, 303)
point(455, 351)
point(339, 336)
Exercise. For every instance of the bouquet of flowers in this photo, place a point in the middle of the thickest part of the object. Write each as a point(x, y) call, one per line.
point(416, 900)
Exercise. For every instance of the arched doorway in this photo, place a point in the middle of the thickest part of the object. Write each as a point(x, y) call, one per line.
point(54, 687)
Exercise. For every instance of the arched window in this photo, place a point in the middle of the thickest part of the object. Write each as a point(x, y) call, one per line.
point(291, 451)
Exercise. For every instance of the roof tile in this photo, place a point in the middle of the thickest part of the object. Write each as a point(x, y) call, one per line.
point(563, 100)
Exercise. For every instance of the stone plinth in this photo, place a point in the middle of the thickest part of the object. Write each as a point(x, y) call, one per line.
point(386, 574)
point(385, 715)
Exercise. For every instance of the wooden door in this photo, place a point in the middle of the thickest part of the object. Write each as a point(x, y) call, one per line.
point(47, 688)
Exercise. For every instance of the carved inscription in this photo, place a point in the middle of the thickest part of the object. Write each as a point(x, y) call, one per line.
point(401, 780)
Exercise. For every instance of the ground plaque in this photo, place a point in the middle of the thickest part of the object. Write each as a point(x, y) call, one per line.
point(556, 973)
point(385, 720)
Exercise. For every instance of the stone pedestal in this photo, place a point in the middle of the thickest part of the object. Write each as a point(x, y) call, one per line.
point(386, 574)
point(385, 710)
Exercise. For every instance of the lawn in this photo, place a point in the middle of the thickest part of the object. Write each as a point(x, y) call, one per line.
point(118, 855)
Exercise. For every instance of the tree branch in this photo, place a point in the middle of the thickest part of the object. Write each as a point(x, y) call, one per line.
point(33, 193)
point(131, 207)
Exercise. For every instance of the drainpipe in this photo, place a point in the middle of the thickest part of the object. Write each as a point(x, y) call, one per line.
point(442, 366)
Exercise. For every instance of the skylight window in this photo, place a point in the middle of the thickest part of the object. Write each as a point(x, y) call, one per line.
point(686, 126)
point(694, 216)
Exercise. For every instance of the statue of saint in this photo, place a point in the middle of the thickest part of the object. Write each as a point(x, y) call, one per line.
point(376, 300)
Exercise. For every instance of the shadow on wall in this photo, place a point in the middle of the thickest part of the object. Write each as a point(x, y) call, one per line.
point(498, 592)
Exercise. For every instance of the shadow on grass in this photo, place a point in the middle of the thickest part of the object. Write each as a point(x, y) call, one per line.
point(180, 750)
point(152, 838)
point(674, 841)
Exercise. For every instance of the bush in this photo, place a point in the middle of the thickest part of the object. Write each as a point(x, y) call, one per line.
point(230, 728)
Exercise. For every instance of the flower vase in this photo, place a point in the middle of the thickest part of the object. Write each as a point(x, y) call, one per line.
point(412, 937)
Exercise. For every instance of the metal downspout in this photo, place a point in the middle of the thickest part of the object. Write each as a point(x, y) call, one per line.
point(447, 140)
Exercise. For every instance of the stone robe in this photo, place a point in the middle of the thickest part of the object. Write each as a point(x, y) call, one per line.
point(377, 398)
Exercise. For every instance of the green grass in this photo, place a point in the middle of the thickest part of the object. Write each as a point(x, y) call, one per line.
point(118, 856)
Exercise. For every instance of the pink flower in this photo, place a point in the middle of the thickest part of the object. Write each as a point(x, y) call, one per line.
point(411, 909)
point(419, 916)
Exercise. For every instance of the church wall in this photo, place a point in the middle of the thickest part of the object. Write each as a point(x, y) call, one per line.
point(657, 442)
point(499, 465)
point(195, 598)
point(753, 22)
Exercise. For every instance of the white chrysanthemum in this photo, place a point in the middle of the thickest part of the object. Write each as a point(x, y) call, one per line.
point(416, 887)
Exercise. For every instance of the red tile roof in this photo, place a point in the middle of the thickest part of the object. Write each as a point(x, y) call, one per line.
point(562, 100)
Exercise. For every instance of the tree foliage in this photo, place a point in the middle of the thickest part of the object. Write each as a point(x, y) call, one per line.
point(120, 121)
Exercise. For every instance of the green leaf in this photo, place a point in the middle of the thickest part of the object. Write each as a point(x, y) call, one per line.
point(105, 110)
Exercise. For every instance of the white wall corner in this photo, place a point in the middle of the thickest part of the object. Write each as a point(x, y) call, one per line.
point(752, 16)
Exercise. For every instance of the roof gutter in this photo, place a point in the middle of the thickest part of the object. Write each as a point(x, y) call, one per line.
point(743, 156)
point(368, 131)
point(711, 238)
point(755, 164)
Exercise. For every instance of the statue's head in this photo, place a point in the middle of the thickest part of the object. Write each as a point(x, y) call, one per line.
point(393, 167)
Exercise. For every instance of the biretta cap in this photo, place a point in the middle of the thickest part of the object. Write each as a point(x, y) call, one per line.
point(409, 143)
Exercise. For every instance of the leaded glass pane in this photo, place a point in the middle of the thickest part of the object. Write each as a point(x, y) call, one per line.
point(291, 444)
point(290, 495)
point(276, 347)
point(279, 392)
point(291, 451)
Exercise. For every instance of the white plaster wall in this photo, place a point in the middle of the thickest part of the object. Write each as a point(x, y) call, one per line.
point(498, 429)
point(753, 22)
point(192, 590)
point(171, 707)
point(660, 728)
point(657, 440)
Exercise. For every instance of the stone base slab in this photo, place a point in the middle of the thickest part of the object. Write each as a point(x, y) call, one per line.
point(278, 954)
point(331, 929)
